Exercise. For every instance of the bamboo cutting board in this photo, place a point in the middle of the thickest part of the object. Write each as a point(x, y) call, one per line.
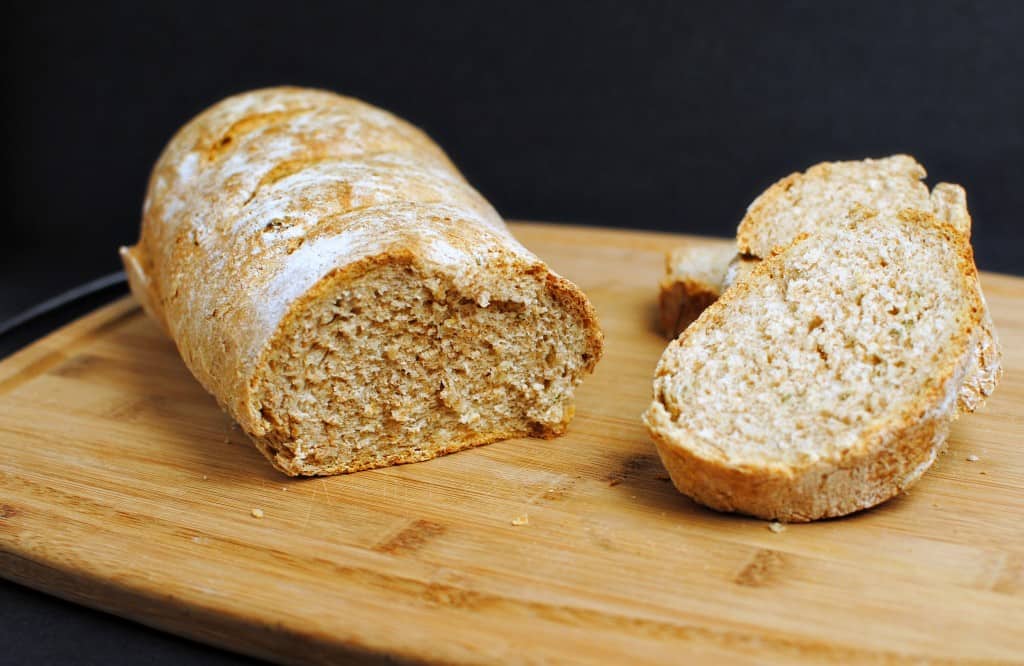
point(123, 487)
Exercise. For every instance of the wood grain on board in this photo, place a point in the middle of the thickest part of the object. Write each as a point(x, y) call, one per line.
point(124, 487)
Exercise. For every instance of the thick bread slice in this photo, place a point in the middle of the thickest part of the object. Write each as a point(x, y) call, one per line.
point(330, 277)
point(810, 201)
point(807, 202)
point(802, 203)
point(826, 382)
point(693, 280)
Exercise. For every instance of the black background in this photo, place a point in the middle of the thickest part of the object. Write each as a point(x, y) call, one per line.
point(644, 115)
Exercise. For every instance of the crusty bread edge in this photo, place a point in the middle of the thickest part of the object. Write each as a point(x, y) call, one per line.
point(826, 489)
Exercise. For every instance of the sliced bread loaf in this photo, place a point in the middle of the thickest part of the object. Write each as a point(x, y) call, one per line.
point(825, 382)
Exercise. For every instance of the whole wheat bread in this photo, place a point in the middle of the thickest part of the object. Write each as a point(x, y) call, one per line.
point(806, 203)
point(801, 203)
point(330, 277)
point(826, 381)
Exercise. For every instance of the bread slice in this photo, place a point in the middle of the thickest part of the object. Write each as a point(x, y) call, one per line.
point(810, 201)
point(807, 202)
point(826, 382)
point(801, 203)
point(693, 280)
point(820, 197)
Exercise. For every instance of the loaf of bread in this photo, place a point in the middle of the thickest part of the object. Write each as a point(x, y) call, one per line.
point(329, 276)
point(827, 380)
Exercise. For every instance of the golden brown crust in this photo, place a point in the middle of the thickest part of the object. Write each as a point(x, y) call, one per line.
point(826, 489)
point(291, 466)
point(886, 461)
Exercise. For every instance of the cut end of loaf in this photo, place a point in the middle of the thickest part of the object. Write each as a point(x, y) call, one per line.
point(825, 382)
point(401, 364)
